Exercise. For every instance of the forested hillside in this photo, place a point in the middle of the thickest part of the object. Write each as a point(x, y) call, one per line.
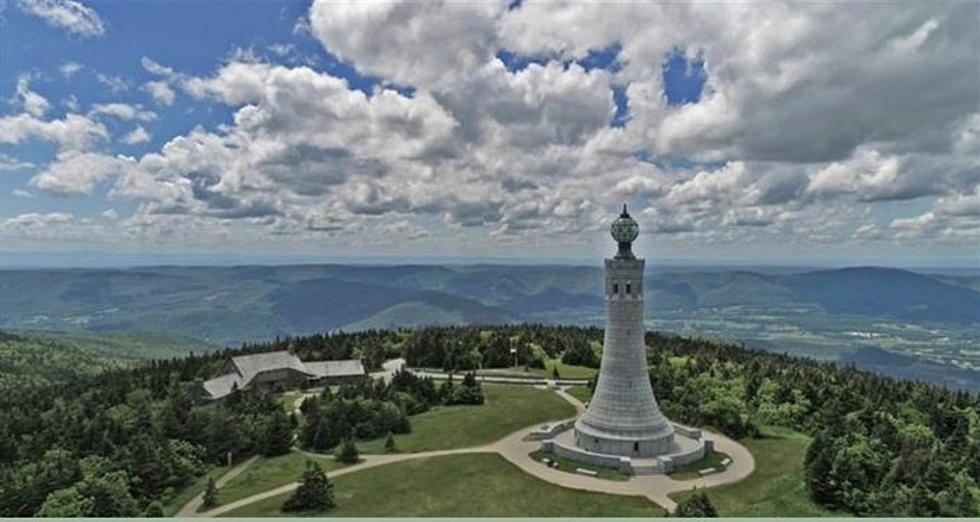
point(28, 361)
point(124, 441)
point(36, 357)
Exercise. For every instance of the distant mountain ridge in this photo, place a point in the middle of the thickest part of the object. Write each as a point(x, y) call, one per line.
point(872, 291)
point(235, 304)
point(815, 313)
point(330, 304)
point(887, 292)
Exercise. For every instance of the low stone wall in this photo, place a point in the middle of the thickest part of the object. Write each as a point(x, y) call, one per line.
point(548, 431)
point(657, 466)
point(686, 457)
point(691, 433)
point(580, 455)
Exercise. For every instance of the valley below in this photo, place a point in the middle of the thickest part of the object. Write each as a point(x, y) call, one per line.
point(905, 324)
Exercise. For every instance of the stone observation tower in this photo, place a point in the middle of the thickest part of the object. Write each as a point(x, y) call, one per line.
point(623, 418)
point(622, 427)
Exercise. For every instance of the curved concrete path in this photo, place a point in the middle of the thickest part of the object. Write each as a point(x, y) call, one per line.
point(515, 448)
point(367, 462)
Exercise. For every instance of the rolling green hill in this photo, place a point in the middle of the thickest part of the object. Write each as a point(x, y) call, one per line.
point(29, 361)
point(127, 345)
point(409, 314)
point(33, 357)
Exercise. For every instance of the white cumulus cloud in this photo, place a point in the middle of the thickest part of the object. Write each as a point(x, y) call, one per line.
point(73, 16)
point(137, 135)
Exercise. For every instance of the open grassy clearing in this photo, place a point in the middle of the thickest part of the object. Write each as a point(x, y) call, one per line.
point(582, 393)
point(569, 466)
point(181, 499)
point(507, 409)
point(477, 485)
point(271, 472)
point(776, 487)
point(290, 400)
point(690, 471)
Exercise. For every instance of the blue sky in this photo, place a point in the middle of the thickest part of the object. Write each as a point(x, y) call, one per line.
point(480, 129)
point(188, 36)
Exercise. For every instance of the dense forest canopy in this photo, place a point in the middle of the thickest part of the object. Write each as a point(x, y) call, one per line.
point(125, 440)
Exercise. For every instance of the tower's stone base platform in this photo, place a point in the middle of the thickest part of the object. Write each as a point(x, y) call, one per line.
point(687, 445)
point(636, 444)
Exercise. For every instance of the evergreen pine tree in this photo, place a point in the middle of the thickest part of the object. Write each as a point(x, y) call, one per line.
point(696, 506)
point(315, 491)
point(278, 437)
point(446, 390)
point(469, 392)
point(176, 410)
point(210, 494)
point(818, 463)
point(154, 510)
point(348, 451)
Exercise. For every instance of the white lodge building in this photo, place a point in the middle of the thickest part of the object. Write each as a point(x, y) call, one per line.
point(279, 369)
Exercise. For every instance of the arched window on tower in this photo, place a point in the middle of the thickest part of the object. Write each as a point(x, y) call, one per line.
point(627, 288)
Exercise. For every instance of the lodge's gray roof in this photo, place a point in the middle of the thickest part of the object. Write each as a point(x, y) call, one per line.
point(222, 386)
point(249, 366)
point(344, 368)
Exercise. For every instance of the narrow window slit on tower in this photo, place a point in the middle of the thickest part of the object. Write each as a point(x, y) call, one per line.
point(615, 288)
point(627, 288)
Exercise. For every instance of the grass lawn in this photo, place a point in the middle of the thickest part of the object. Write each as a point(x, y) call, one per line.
point(570, 466)
point(476, 485)
point(173, 506)
point(776, 487)
point(289, 400)
point(507, 409)
point(271, 472)
point(690, 471)
point(582, 393)
point(566, 371)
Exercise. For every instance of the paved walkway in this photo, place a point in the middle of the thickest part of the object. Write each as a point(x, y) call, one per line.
point(393, 365)
point(367, 462)
point(657, 488)
point(515, 448)
point(500, 379)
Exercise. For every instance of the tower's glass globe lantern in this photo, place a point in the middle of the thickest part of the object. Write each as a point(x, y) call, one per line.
point(625, 229)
